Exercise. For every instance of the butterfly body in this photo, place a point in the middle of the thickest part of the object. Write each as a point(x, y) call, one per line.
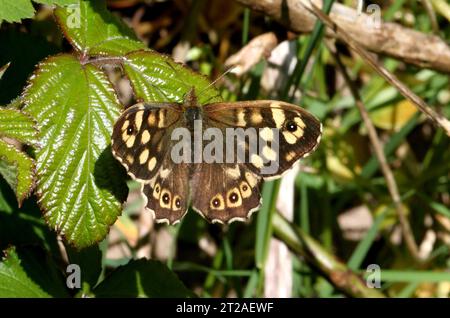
point(181, 153)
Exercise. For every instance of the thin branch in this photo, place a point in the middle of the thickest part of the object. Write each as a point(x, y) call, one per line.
point(384, 38)
point(333, 269)
point(379, 153)
point(431, 14)
point(388, 76)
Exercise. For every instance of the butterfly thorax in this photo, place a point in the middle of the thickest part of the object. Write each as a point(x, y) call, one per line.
point(192, 110)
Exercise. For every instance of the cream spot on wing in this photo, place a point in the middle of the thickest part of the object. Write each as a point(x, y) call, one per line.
point(290, 156)
point(256, 117)
point(176, 203)
point(130, 141)
point(130, 159)
point(233, 173)
point(165, 199)
point(125, 136)
point(125, 125)
point(138, 119)
point(246, 191)
point(278, 115)
point(151, 119)
point(269, 153)
point(266, 133)
point(300, 125)
point(162, 119)
point(289, 137)
point(217, 202)
point(234, 198)
point(152, 164)
point(157, 191)
point(256, 161)
point(164, 173)
point(251, 179)
point(144, 156)
point(145, 137)
point(299, 132)
point(241, 118)
point(300, 122)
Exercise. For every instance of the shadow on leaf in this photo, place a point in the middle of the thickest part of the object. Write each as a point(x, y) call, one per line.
point(110, 175)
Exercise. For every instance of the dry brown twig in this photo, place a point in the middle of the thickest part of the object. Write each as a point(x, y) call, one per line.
point(389, 39)
point(257, 49)
point(431, 15)
point(443, 122)
point(356, 42)
point(379, 153)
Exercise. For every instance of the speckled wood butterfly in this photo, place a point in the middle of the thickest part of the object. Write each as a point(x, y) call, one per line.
point(220, 190)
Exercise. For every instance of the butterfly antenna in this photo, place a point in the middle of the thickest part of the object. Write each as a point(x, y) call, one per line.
point(217, 79)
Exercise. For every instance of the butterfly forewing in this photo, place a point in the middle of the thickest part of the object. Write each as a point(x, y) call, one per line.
point(286, 133)
point(141, 138)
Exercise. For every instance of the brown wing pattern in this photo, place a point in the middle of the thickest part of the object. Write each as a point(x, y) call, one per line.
point(298, 132)
point(224, 192)
point(168, 192)
point(141, 137)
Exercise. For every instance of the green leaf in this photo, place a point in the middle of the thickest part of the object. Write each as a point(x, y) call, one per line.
point(156, 77)
point(27, 273)
point(16, 10)
point(58, 2)
point(25, 225)
point(142, 278)
point(17, 125)
point(79, 187)
point(93, 30)
point(17, 169)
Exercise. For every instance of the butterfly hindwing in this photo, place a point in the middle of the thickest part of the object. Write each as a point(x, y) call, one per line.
point(167, 194)
point(224, 192)
point(286, 133)
point(141, 138)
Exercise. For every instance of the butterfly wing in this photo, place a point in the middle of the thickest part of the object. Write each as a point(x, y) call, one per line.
point(224, 193)
point(285, 132)
point(141, 138)
point(141, 141)
point(167, 194)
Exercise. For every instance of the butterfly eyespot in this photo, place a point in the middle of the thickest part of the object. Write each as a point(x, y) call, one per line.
point(291, 126)
point(244, 188)
point(157, 188)
point(178, 203)
point(216, 203)
point(233, 197)
point(130, 130)
point(166, 198)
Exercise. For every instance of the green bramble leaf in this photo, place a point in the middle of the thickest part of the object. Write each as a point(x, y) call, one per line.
point(17, 168)
point(157, 78)
point(93, 30)
point(80, 186)
point(16, 10)
point(28, 273)
point(75, 107)
point(142, 278)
